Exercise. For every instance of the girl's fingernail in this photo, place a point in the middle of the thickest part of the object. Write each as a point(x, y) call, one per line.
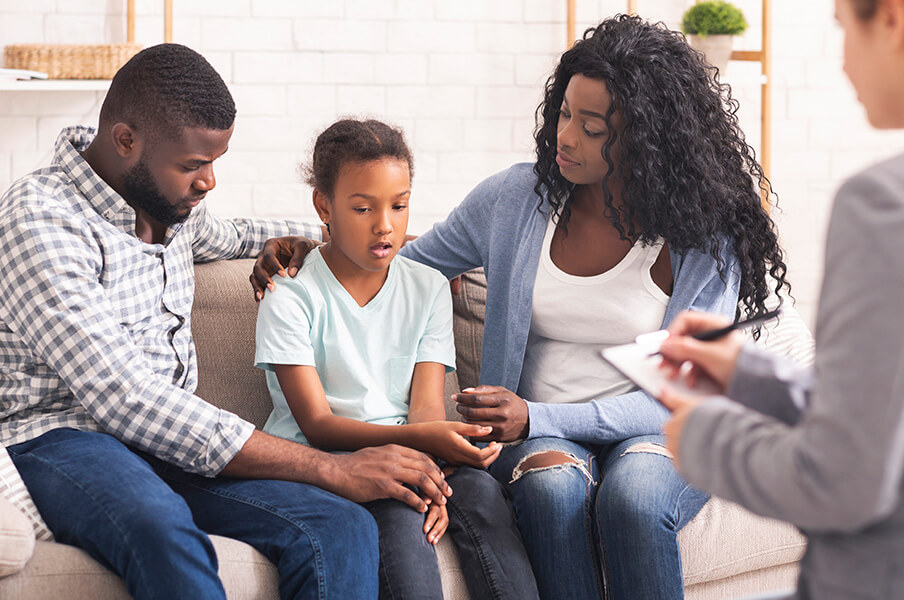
point(292, 272)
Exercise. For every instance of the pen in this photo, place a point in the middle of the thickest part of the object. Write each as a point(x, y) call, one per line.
point(710, 335)
point(714, 334)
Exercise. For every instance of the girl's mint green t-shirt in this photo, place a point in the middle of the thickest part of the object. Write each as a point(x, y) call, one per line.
point(364, 355)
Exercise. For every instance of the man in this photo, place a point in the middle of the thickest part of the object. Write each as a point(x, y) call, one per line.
point(98, 364)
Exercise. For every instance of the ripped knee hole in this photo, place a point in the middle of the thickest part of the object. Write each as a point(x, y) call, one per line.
point(648, 448)
point(549, 460)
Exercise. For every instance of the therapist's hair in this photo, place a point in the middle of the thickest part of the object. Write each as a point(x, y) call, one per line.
point(864, 9)
point(686, 173)
point(165, 88)
point(353, 141)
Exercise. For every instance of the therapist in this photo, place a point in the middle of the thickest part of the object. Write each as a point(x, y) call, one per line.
point(823, 449)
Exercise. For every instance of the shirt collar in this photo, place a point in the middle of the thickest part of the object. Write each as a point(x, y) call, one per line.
point(97, 192)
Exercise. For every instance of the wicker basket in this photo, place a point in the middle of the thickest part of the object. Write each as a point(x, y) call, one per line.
point(70, 61)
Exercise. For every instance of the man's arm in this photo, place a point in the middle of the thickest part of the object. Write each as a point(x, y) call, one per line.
point(215, 238)
point(368, 474)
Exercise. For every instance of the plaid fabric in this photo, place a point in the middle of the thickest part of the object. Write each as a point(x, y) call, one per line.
point(95, 330)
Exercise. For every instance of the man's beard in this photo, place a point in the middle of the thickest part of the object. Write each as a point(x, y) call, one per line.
point(142, 191)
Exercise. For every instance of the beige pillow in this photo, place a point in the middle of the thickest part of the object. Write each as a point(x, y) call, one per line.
point(17, 538)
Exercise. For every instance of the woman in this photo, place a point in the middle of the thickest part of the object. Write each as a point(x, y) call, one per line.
point(824, 449)
point(644, 201)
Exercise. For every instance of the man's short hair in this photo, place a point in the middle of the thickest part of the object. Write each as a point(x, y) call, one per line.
point(164, 89)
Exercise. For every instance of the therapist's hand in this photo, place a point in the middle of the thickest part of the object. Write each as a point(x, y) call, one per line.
point(496, 407)
point(681, 407)
point(716, 359)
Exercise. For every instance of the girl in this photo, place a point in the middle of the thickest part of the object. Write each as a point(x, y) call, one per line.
point(357, 347)
point(824, 448)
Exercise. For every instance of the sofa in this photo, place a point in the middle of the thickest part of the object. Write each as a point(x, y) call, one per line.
point(726, 551)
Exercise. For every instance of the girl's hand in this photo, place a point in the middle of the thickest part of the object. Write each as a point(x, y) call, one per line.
point(496, 407)
point(716, 359)
point(448, 441)
point(436, 522)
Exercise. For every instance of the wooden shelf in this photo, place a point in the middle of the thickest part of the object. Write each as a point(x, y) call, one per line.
point(55, 85)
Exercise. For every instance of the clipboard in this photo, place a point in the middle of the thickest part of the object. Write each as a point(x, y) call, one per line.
point(640, 363)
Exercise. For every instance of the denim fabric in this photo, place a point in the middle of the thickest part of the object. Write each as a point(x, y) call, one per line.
point(148, 521)
point(481, 524)
point(609, 521)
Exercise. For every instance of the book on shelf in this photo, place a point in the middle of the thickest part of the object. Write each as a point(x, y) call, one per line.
point(21, 74)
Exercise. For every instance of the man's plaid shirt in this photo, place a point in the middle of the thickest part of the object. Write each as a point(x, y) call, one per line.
point(95, 329)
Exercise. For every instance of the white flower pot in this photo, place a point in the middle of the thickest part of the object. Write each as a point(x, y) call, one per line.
point(717, 49)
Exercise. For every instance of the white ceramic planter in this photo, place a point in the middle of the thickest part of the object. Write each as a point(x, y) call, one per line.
point(717, 49)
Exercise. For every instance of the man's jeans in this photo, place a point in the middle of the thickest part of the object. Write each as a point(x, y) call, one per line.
point(492, 555)
point(148, 521)
point(609, 520)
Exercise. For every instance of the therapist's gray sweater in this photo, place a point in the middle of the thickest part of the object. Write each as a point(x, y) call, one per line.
point(824, 450)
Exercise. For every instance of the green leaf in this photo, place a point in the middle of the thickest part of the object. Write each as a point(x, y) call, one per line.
point(713, 18)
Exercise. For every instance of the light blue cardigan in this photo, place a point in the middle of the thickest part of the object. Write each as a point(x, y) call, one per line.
point(499, 228)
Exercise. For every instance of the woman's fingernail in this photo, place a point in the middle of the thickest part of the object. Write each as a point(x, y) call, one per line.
point(292, 272)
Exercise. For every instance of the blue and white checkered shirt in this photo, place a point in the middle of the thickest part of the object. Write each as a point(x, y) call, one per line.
point(95, 324)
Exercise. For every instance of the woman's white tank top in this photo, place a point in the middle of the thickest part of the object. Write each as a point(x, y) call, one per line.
point(574, 318)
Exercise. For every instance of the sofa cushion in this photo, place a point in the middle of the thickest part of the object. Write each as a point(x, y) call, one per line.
point(224, 310)
point(724, 540)
point(61, 571)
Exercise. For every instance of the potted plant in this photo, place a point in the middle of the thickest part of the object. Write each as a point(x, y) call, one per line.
point(712, 26)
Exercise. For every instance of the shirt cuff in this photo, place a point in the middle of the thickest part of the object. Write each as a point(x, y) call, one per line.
point(230, 437)
point(752, 363)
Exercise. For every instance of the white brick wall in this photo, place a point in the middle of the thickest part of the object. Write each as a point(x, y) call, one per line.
point(463, 77)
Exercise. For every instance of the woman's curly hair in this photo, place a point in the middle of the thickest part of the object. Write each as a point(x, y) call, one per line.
point(687, 174)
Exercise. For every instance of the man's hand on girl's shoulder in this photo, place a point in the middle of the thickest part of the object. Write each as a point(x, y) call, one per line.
point(280, 256)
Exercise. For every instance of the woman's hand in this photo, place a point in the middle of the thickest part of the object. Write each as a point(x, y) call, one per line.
point(436, 522)
point(495, 407)
point(681, 407)
point(716, 359)
point(448, 441)
point(277, 252)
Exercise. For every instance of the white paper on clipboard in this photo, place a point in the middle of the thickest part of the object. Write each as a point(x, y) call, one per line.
point(635, 362)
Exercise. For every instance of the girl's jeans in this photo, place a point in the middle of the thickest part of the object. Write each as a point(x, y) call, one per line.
point(493, 559)
point(148, 521)
point(608, 521)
